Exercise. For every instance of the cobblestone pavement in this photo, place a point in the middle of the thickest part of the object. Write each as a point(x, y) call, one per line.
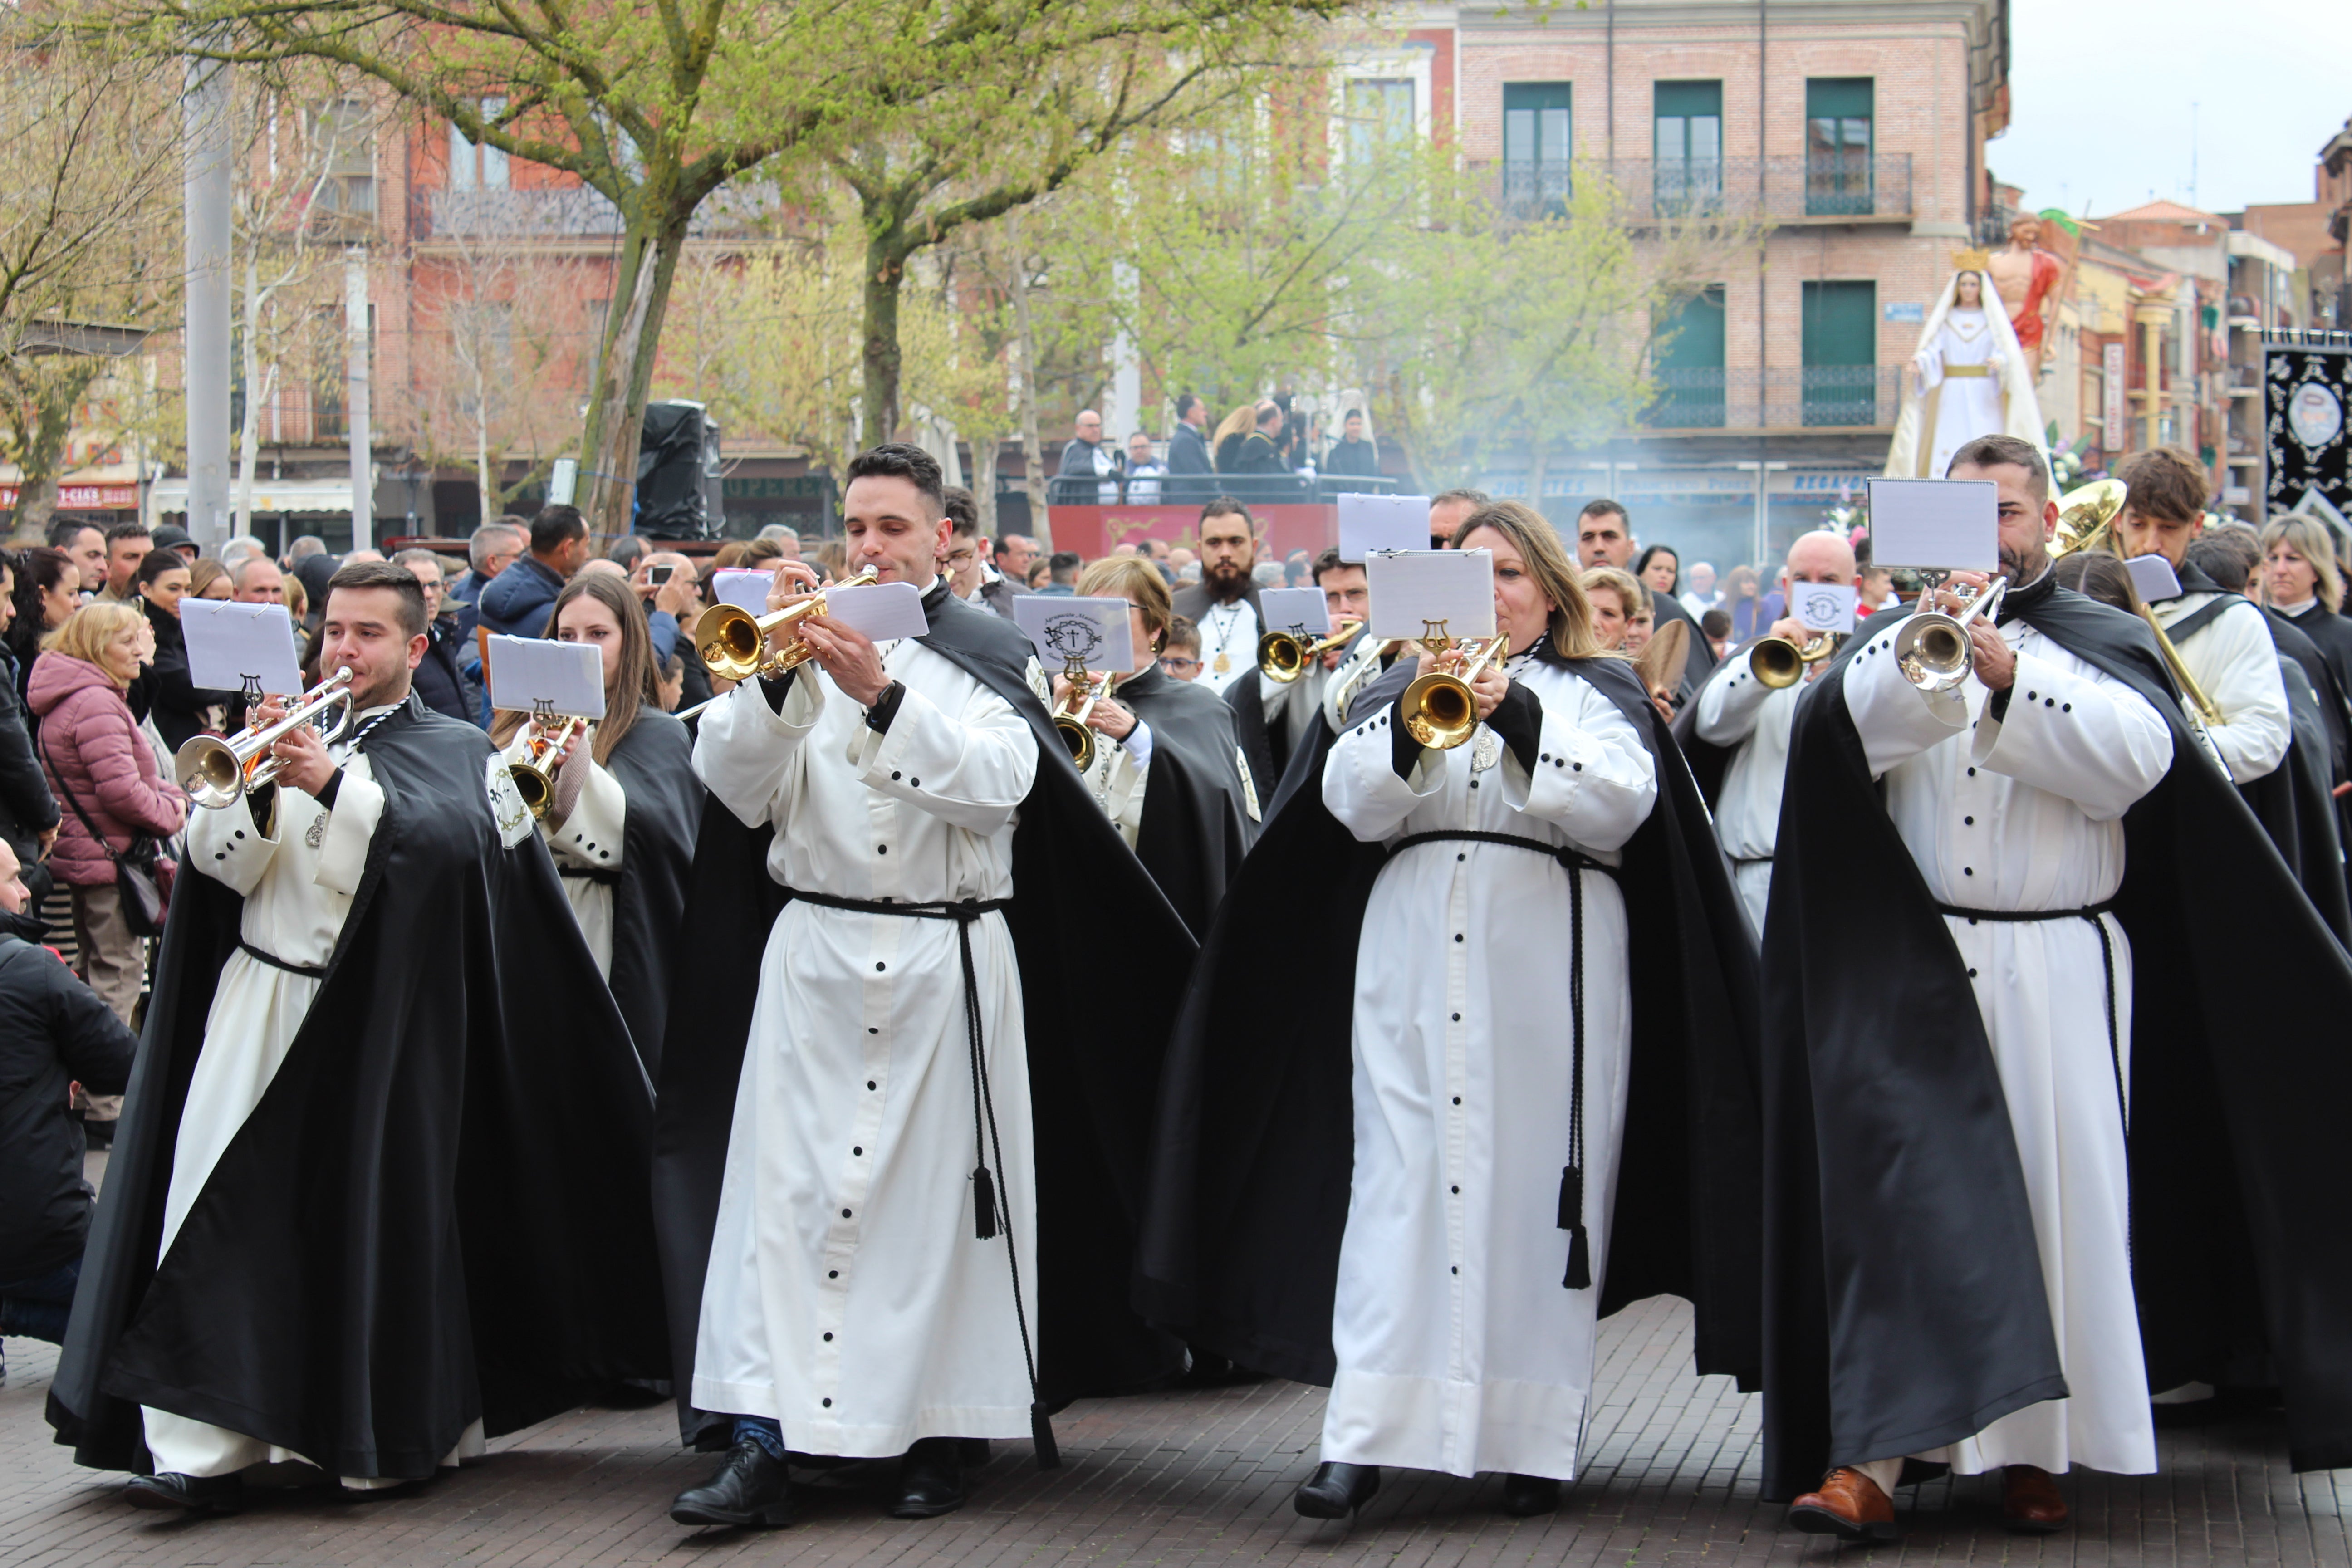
point(1190, 1478)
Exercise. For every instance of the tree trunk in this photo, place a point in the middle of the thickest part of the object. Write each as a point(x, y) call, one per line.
point(625, 375)
point(983, 484)
point(42, 439)
point(489, 492)
point(885, 271)
point(1032, 451)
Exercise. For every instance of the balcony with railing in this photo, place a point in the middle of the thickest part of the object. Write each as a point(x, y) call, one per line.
point(1786, 397)
point(1849, 187)
point(566, 213)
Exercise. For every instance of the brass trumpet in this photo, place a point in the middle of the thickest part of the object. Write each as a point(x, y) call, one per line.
point(534, 754)
point(1077, 703)
point(1440, 711)
point(1283, 656)
point(1931, 647)
point(1777, 662)
point(733, 643)
point(216, 772)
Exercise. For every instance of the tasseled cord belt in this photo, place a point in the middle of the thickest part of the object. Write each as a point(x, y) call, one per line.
point(991, 1214)
point(1575, 862)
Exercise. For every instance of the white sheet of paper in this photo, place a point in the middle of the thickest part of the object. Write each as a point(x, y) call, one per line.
point(1935, 525)
point(569, 677)
point(2154, 578)
point(226, 642)
point(1823, 606)
point(880, 610)
point(1296, 610)
point(1064, 628)
point(1412, 586)
point(745, 590)
point(1371, 525)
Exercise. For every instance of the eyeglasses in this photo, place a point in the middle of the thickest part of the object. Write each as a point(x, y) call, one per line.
point(1175, 665)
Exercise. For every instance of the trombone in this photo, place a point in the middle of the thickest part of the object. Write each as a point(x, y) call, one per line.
point(1283, 656)
point(218, 772)
point(1777, 662)
point(1070, 716)
point(733, 643)
point(536, 752)
point(1440, 711)
point(2086, 517)
point(1931, 647)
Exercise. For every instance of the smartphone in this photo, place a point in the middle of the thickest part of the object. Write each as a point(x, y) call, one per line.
point(658, 575)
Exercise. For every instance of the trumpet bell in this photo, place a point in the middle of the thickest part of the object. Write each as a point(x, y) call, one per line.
point(1439, 711)
point(1932, 651)
point(211, 771)
point(1775, 662)
point(728, 639)
point(1281, 657)
point(1079, 739)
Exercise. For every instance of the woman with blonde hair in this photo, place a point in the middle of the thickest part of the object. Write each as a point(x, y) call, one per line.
point(1617, 600)
point(1168, 766)
point(1226, 443)
point(117, 803)
point(2301, 580)
point(623, 808)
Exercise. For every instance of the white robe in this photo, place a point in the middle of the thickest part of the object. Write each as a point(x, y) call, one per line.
point(1962, 369)
point(1736, 710)
point(2236, 662)
point(2026, 813)
point(590, 839)
point(1458, 1348)
point(846, 1295)
point(297, 880)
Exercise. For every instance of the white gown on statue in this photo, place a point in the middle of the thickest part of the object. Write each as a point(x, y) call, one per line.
point(2026, 813)
point(1961, 368)
point(297, 881)
point(847, 1295)
point(1458, 1348)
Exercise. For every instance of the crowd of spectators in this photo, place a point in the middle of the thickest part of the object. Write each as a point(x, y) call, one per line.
point(1264, 450)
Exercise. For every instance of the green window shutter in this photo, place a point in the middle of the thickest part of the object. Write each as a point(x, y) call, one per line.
point(1686, 97)
point(1840, 348)
point(1839, 97)
point(1538, 125)
point(1693, 335)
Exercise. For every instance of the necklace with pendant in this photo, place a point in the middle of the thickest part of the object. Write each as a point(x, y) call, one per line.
point(1224, 630)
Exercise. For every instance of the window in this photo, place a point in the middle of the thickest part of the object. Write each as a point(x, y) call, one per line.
point(1687, 364)
point(1689, 142)
point(1837, 145)
point(342, 136)
point(478, 168)
point(1537, 138)
point(1840, 346)
point(1380, 116)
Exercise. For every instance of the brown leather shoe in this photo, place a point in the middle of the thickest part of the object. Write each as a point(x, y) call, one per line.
point(2029, 1503)
point(1849, 1506)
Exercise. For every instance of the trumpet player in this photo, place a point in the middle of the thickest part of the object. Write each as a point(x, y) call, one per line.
point(1973, 1264)
point(1275, 718)
point(314, 1246)
point(1739, 713)
point(1439, 1258)
point(621, 807)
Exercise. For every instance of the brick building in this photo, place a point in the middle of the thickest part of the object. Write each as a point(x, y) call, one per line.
point(1855, 129)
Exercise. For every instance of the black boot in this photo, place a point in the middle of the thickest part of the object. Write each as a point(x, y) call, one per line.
point(1335, 1491)
point(1524, 1497)
point(930, 1479)
point(192, 1494)
point(750, 1488)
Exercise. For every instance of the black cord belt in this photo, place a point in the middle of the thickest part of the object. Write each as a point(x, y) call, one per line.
point(1751, 860)
point(2090, 912)
point(602, 876)
point(1579, 1275)
point(990, 1214)
point(312, 970)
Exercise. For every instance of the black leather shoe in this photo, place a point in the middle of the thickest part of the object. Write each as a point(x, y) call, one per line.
point(189, 1494)
point(752, 1487)
point(931, 1480)
point(1524, 1497)
point(1335, 1491)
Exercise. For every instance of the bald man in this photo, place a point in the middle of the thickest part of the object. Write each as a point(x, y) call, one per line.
point(1738, 714)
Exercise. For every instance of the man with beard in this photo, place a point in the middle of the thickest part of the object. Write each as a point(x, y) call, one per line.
point(1224, 604)
point(2054, 950)
point(1604, 537)
point(379, 1189)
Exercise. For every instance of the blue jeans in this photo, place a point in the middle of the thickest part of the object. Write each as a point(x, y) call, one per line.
point(764, 1430)
point(38, 1308)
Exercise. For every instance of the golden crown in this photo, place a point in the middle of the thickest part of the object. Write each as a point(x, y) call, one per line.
point(1970, 260)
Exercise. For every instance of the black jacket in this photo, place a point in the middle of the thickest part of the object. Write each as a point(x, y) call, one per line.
point(438, 680)
point(53, 1031)
point(27, 810)
point(1258, 454)
point(1358, 457)
point(174, 701)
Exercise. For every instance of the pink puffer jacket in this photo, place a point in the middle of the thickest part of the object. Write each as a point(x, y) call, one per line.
point(90, 745)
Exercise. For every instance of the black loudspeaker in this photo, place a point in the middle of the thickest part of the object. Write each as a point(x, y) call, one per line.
point(679, 475)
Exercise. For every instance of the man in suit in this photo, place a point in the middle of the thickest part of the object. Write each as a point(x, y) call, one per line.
point(1188, 453)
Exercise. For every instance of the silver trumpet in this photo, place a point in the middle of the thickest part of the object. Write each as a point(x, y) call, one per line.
point(217, 771)
point(1931, 648)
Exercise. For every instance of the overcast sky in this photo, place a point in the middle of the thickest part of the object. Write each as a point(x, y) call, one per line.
point(2100, 93)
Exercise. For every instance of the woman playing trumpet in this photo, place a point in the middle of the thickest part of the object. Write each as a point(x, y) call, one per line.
point(623, 808)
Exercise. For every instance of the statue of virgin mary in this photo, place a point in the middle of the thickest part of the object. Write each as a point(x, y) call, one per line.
point(1969, 378)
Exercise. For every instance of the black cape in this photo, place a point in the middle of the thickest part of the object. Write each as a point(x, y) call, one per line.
point(1256, 1141)
point(1910, 1312)
point(1091, 1074)
point(438, 1210)
point(1269, 744)
point(654, 764)
point(1196, 827)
